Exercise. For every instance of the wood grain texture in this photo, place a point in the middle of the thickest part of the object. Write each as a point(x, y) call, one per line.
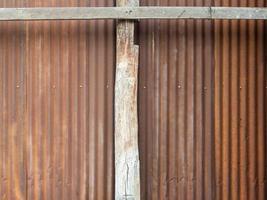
point(131, 12)
point(127, 170)
point(56, 106)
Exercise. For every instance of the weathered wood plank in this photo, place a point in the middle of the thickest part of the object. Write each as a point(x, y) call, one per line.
point(127, 170)
point(131, 12)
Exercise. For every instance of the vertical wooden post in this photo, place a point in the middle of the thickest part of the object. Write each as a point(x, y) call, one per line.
point(127, 170)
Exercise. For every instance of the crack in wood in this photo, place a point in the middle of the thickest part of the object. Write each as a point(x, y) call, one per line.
point(127, 170)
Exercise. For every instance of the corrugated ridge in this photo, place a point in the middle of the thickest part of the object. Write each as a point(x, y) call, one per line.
point(175, 106)
point(201, 107)
point(239, 107)
point(57, 106)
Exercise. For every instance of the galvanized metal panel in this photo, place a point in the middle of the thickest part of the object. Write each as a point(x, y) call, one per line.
point(56, 119)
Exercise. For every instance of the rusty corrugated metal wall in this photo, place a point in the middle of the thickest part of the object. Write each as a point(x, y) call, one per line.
point(56, 106)
point(240, 106)
point(176, 113)
point(202, 105)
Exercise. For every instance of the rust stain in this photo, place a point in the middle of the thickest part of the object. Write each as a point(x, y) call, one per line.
point(56, 119)
point(202, 106)
point(202, 109)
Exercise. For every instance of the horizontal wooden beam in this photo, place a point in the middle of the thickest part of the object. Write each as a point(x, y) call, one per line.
point(89, 13)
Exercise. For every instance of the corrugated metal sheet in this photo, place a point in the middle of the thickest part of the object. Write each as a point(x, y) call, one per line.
point(202, 106)
point(176, 87)
point(56, 105)
point(240, 106)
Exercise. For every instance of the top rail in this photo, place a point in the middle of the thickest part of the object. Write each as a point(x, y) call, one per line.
point(93, 13)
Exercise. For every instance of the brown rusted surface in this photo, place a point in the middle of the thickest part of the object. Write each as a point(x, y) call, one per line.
point(175, 107)
point(202, 105)
point(240, 106)
point(56, 95)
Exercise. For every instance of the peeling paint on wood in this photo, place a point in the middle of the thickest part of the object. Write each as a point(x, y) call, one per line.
point(127, 170)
